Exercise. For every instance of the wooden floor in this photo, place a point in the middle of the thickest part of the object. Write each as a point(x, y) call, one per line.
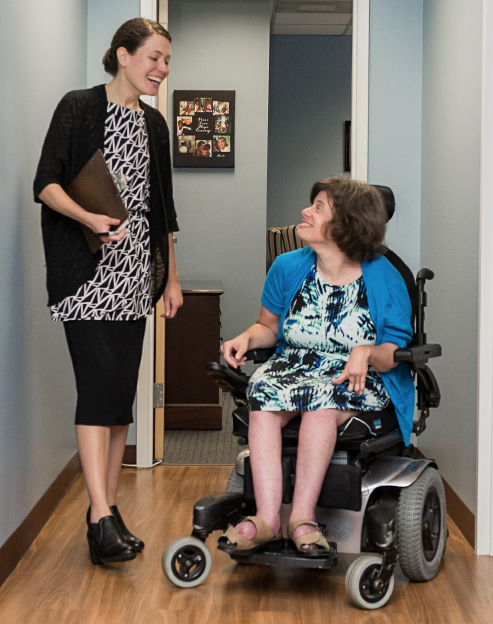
point(55, 583)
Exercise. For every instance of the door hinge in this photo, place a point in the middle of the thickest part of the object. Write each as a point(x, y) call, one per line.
point(158, 395)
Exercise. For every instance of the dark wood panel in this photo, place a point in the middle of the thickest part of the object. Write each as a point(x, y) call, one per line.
point(193, 417)
point(192, 339)
point(130, 454)
point(461, 514)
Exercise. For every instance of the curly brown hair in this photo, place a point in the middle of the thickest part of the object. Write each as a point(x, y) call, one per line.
point(359, 218)
point(131, 35)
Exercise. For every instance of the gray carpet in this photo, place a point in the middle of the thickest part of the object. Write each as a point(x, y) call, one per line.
point(204, 447)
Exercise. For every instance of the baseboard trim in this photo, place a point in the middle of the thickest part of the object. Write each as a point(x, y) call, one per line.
point(461, 515)
point(20, 540)
point(459, 512)
point(130, 454)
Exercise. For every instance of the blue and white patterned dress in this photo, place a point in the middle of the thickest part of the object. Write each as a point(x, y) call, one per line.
point(120, 289)
point(322, 326)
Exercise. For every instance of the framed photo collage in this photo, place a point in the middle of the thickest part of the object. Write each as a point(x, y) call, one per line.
point(204, 133)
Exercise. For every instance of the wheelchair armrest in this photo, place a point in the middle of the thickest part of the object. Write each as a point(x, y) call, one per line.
point(418, 354)
point(234, 380)
point(227, 378)
point(260, 355)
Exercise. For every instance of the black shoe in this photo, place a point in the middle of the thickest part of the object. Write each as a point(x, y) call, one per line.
point(106, 545)
point(134, 542)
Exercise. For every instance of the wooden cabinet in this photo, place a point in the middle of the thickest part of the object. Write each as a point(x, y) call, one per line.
point(192, 339)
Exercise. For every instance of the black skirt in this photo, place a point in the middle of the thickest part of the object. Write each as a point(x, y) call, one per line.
point(106, 358)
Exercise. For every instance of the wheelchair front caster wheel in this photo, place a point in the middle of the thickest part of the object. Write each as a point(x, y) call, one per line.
point(187, 562)
point(361, 587)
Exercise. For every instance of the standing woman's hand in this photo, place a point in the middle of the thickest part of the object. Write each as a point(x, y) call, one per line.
point(173, 298)
point(56, 198)
point(100, 224)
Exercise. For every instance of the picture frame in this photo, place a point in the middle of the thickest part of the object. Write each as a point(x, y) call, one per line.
point(204, 129)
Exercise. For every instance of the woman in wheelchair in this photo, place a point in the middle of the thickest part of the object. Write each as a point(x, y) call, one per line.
point(337, 310)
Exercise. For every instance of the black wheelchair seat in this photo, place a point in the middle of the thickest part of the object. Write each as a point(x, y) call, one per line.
point(365, 425)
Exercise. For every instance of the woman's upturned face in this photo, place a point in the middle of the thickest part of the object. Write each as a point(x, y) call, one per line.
point(315, 218)
point(148, 66)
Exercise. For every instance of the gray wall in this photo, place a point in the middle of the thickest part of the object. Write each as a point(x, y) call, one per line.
point(450, 228)
point(222, 213)
point(103, 19)
point(425, 90)
point(395, 102)
point(42, 55)
point(309, 101)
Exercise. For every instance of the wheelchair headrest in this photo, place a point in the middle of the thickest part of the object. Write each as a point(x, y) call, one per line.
point(388, 199)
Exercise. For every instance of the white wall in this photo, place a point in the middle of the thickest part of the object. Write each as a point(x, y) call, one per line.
point(450, 228)
point(42, 55)
point(222, 213)
point(309, 101)
point(395, 103)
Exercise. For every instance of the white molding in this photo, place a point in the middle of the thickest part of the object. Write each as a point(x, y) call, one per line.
point(145, 402)
point(145, 410)
point(359, 84)
point(148, 9)
point(484, 513)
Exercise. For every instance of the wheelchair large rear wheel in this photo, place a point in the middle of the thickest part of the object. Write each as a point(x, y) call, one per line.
point(422, 526)
point(187, 562)
point(363, 586)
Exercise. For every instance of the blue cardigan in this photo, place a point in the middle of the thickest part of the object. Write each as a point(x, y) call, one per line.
point(390, 310)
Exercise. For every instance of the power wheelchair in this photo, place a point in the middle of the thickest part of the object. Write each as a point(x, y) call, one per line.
point(379, 496)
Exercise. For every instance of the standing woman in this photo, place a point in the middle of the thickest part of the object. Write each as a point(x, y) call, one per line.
point(103, 299)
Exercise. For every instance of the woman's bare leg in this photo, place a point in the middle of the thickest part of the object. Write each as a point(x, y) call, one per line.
point(318, 434)
point(94, 444)
point(264, 441)
point(118, 439)
point(101, 453)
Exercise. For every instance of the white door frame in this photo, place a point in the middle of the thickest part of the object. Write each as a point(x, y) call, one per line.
point(359, 170)
point(359, 89)
point(145, 385)
point(484, 513)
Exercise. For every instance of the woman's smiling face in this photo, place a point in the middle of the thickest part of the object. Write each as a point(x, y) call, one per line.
point(315, 218)
point(148, 66)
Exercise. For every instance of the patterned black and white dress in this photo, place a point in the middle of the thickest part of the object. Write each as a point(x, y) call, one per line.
point(120, 289)
point(104, 320)
point(322, 326)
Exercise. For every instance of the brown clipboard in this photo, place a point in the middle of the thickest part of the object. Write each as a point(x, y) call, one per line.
point(95, 190)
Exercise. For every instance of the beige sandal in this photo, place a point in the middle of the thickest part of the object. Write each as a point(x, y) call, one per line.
point(232, 541)
point(302, 541)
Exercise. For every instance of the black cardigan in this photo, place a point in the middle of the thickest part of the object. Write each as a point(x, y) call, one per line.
point(75, 133)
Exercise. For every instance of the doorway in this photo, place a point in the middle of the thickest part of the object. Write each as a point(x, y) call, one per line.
point(240, 302)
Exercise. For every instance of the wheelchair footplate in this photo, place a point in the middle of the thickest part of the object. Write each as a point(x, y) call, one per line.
point(284, 552)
